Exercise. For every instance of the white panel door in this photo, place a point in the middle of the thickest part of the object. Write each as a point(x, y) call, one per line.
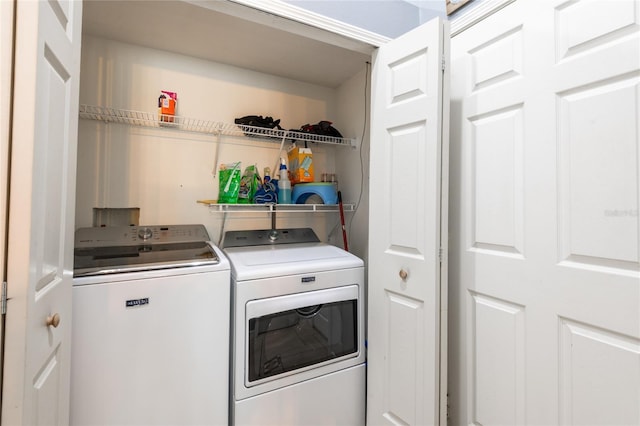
point(41, 213)
point(545, 265)
point(405, 235)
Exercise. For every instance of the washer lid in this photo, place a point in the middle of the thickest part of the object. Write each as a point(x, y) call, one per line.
point(111, 250)
point(257, 262)
point(120, 259)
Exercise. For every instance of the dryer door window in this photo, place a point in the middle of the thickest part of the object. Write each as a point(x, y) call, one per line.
point(301, 337)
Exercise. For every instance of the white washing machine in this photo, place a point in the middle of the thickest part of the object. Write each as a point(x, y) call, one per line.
point(150, 330)
point(298, 354)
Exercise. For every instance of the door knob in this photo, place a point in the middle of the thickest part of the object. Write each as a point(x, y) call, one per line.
point(53, 320)
point(403, 274)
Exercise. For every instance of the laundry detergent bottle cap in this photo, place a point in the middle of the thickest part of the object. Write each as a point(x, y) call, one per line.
point(284, 184)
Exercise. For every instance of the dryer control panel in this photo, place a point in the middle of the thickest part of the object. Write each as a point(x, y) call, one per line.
point(262, 237)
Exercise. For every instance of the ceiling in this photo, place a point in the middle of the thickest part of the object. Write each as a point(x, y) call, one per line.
point(213, 31)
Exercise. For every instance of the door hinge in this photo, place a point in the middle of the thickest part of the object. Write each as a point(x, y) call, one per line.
point(444, 63)
point(3, 302)
point(440, 254)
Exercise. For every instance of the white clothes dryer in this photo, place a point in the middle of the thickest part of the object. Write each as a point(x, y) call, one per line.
point(298, 355)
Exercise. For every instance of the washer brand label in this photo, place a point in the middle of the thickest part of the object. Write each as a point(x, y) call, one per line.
point(308, 279)
point(136, 302)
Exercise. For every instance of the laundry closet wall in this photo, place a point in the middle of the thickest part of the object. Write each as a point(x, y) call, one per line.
point(164, 172)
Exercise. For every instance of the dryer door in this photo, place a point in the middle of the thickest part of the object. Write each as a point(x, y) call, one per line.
point(293, 333)
point(290, 340)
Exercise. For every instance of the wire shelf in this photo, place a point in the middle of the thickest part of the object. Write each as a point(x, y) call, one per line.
point(278, 208)
point(146, 119)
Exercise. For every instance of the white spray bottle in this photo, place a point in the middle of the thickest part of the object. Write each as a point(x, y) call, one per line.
point(284, 184)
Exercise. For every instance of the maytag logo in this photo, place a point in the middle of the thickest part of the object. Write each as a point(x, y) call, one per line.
point(137, 302)
point(308, 279)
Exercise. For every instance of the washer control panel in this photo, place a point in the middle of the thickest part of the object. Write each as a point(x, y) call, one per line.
point(137, 235)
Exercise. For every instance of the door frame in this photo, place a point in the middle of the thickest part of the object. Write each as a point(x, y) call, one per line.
point(473, 13)
point(7, 39)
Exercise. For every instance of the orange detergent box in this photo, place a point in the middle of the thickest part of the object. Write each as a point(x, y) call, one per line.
point(167, 106)
point(300, 164)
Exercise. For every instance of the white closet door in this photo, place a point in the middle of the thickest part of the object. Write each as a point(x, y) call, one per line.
point(41, 213)
point(405, 282)
point(545, 266)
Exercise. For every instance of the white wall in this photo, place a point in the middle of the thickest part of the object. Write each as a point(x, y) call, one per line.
point(390, 18)
point(353, 107)
point(163, 171)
